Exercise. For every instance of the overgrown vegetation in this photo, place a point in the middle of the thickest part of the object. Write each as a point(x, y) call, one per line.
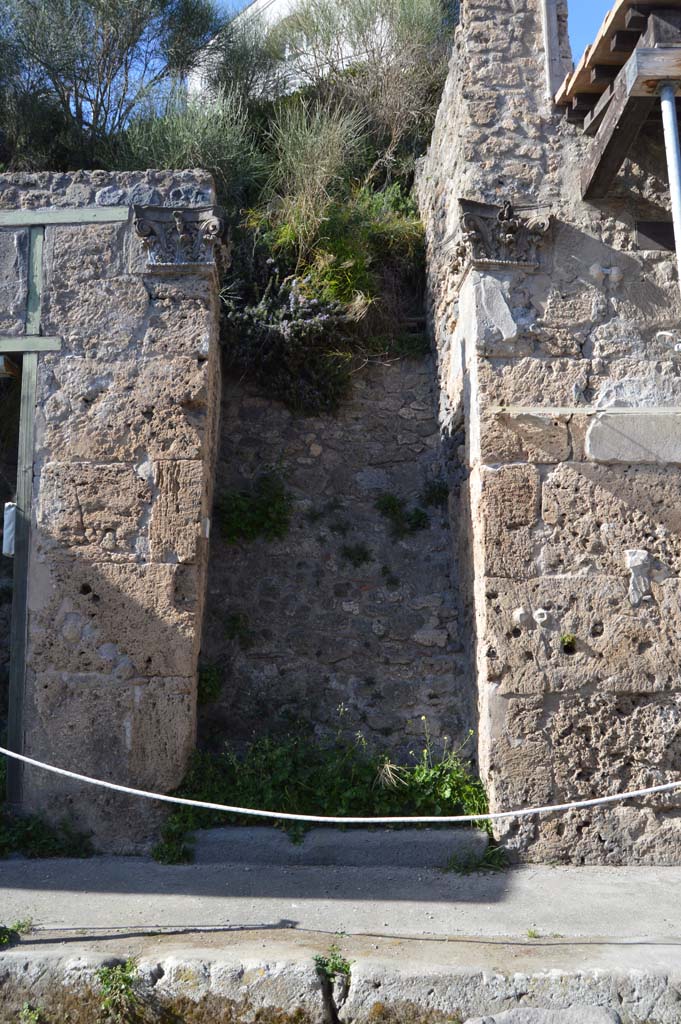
point(33, 837)
point(311, 128)
point(300, 774)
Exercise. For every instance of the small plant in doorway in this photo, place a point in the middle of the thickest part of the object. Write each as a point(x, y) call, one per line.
point(493, 859)
point(305, 774)
point(33, 837)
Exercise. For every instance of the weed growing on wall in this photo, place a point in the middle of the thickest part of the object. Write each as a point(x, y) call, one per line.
point(435, 493)
point(300, 774)
point(30, 1015)
point(33, 837)
point(119, 1000)
point(210, 684)
point(356, 554)
point(402, 519)
point(332, 963)
point(261, 510)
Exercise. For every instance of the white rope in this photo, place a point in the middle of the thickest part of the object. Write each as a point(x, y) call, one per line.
point(324, 820)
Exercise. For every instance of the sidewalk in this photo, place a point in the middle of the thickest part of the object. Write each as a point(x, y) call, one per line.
point(475, 944)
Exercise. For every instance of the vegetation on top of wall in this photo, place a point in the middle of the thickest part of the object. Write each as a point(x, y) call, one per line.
point(313, 155)
point(301, 774)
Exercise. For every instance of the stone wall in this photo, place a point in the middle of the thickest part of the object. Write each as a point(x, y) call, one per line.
point(557, 346)
point(126, 421)
point(298, 630)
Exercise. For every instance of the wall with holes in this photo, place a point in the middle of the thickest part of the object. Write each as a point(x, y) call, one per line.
point(124, 434)
point(558, 346)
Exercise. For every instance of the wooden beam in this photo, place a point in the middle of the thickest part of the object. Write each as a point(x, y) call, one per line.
point(624, 41)
point(64, 215)
point(19, 624)
point(646, 68)
point(620, 125)
point(29, 343)
point(583, 102)
point(604, 74)
point(636, 18)
point(664, 27)
point(592, 121)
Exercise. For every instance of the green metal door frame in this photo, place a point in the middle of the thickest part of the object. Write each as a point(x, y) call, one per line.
point(19, 627)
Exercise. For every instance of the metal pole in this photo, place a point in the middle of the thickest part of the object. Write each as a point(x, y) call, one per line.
point(671, 142)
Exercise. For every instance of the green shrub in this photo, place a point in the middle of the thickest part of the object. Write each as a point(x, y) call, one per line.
point(263, 510)
point(300, 774)
point(313, 149)
point(297, 348)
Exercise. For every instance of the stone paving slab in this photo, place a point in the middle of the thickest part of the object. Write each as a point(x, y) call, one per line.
point(322, 847)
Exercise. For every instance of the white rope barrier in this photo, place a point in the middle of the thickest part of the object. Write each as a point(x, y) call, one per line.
point(454, 819)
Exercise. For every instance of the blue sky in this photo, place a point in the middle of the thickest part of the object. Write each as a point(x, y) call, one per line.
point(584, 21)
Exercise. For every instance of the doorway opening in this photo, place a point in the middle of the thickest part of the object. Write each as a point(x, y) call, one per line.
point(10, 405)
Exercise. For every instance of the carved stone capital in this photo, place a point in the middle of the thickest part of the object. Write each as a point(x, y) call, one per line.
point(496, 236)
point(183, 238)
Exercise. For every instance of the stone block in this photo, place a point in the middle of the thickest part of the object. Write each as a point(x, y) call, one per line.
point(575, 747)
point(125, 621)
point(532, 381)
point(593, 514)
point(508, 509)
point(524, 437)
point(13, 280)
point(154, 408)
point(93, 511)
point(621, 437)
point(617, 648)
point(137, 732)
point(179, 324)
point(89, 298)
point(179, 506)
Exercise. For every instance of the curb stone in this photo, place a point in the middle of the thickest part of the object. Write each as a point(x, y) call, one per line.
point(577, 1015)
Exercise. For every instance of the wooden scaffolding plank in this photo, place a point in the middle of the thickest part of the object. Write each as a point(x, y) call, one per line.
point(599, 52)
